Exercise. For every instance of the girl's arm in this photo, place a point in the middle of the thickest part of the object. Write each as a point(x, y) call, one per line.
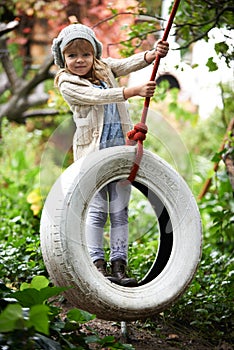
point(124, 66)
point(87, 95)
point(78, 94)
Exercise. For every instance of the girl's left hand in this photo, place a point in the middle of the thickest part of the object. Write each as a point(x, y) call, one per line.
point(162, 48)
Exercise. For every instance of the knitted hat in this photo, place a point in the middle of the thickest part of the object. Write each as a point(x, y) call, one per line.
point(69, 33)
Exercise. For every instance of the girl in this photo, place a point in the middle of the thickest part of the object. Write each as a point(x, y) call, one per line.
point(87, 83)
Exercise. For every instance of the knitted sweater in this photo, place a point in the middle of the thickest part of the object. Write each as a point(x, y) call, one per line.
point(87, 102)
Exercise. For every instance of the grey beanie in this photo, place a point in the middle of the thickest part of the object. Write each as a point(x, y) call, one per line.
point(69, 33)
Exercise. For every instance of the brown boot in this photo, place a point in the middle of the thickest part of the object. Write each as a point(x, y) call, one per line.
point(118, 269)
point(101, 266)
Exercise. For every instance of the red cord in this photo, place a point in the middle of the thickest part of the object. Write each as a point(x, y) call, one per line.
point(138, 134)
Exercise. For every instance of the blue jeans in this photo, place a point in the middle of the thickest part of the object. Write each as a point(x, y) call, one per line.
point(112, 199)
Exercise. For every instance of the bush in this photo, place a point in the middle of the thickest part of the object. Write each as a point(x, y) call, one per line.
point(29, 320)
point(208, 303)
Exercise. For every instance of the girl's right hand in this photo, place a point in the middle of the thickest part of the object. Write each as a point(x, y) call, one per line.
point(144, 90)
point(147, 89)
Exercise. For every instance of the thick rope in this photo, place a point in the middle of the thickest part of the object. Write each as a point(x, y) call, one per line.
point(138, 134)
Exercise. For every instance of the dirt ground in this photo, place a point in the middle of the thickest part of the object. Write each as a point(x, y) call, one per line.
point(142, 336)
point(164, 338)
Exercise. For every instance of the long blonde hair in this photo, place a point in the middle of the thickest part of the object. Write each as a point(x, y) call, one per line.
point(99, 68)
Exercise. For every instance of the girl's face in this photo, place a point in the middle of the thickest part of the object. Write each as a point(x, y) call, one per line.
point(79, 58)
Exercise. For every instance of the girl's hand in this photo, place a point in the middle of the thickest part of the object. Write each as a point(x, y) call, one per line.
point(147, 89)
point(162, 48)
point(144, 90)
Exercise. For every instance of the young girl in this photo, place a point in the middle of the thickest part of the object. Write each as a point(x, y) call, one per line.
point(87, 83)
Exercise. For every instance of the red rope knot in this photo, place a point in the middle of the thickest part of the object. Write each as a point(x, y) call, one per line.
point(137, 134)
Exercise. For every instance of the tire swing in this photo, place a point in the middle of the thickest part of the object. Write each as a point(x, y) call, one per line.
point(63, 240)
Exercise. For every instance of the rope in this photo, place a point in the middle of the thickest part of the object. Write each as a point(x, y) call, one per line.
point(138, 134)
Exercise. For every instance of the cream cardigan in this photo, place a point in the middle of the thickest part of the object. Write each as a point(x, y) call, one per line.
point(87, 102)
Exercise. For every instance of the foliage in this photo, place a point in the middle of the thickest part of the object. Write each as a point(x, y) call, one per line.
point(196, 19)
point(55, 15)
point(19, 230)
point(136, 37)
point(208, 303)
point(29, 319)
point(217, 210)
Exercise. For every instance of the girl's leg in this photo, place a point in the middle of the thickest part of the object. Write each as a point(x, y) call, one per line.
point(96, 219)
point(119, 195)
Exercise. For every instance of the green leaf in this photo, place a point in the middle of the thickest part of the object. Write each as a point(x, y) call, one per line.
point(114, 11)
point(24, 285)
point(202, 311)
point(216, 158)
point(92, 339)
point(107, 340)
point(49, 292)
point(27, 297)
point(221, 47)
point(80, 316)
point(38, 318)
point(211, 65)
point(39, 282)
point(31, 296)
point(11, 318)
point(110, 343)
point(19, 161)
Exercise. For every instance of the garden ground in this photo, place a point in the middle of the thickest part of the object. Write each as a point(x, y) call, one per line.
point(161, 336)
point(169, 337)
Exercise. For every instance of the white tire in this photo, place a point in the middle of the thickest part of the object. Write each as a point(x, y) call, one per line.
point(63, 240)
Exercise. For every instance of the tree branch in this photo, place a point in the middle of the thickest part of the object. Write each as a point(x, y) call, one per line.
point(8, 66)
point(213, 23)
point(120, 14)
point(39, 113)
point(42, 75)
point(23, 98)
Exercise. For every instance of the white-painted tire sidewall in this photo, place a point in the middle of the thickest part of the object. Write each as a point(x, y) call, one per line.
point(63, 240)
